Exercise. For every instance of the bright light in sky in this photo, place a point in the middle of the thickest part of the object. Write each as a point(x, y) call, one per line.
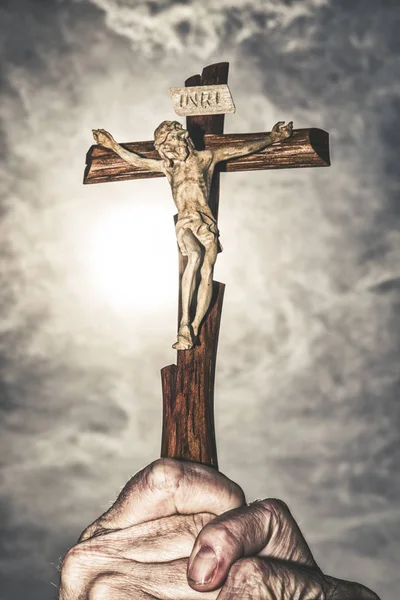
point(132, 256)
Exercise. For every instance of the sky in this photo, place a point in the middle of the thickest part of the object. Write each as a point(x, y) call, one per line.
point(307, 389)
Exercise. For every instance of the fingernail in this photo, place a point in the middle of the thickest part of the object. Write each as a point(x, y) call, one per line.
point(203, 567)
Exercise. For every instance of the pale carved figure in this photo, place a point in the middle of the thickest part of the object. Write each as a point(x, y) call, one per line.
point(189, 173)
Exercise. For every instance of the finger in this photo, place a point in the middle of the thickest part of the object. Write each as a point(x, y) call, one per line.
point(168, 487)
point(168, 581)
point(115, 586)
point(104, 586)
point(161, 540)
point(272, 580)
point(265, 527)
point(94, 579)
point(112, 584)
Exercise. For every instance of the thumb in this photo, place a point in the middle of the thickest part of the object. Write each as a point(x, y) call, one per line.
point(264, 528)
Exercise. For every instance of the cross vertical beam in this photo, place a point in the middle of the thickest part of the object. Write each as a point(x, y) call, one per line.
point(188, 387)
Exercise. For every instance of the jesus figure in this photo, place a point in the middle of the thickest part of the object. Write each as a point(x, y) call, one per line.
point(189, 173)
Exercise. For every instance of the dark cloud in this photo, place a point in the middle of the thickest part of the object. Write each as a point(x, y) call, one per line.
point(310, 374)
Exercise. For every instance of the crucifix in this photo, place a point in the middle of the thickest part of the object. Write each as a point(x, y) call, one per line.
point(192, 160)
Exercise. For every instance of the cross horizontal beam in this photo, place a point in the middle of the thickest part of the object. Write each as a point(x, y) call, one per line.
point(306, 148)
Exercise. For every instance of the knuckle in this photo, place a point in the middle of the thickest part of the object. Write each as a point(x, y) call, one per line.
point(74, 564)
point(222, 537)
point(98, 528)
point(238, 494)
point(71, 559)
point(247, 571)
point(100, 588)
point(85, 555)
point(277, 507)
point(88, 532)
point(165, 474)
point(200, 521)
point(85, 560)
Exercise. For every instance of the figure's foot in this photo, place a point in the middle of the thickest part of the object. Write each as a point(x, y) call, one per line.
point(185, 339)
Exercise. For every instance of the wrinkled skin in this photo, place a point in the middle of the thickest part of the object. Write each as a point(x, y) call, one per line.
point(144, 547)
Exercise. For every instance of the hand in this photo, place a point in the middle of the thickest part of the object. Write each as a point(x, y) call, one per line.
point(262, 555)
point(139, 548)
point(141, 545)
point(280, 131)
point(103, 138)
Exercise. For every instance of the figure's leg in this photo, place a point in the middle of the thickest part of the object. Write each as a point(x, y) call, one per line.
point(204, 294)
point(193, 248)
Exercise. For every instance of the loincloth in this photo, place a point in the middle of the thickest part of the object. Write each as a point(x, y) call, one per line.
point(203, 227)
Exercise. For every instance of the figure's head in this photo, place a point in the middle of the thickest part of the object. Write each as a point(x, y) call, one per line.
point(172, 141)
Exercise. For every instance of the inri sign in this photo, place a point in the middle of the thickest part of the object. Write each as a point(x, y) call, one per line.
point(202, 100)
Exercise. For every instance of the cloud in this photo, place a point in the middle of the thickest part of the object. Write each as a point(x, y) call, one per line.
point(199, 28)
point(307, 379)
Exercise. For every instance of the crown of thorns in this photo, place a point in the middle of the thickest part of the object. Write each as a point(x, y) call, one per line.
point(162, 131)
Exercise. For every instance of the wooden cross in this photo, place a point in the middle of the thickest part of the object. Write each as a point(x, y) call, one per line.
point(188, 387)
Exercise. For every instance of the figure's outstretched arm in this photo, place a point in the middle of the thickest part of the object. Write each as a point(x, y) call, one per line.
point(279, 132)
point(105, 139)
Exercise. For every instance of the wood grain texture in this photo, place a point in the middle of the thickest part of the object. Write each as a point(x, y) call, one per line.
point(306, 148)
point(188, 387)
point(188, 394)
